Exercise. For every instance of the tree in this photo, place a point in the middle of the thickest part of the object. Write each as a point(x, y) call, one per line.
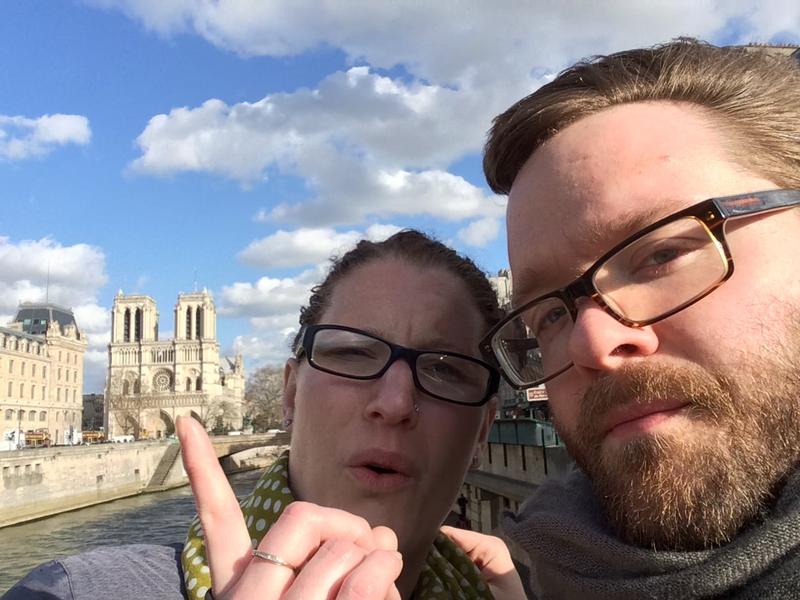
point(263, 395)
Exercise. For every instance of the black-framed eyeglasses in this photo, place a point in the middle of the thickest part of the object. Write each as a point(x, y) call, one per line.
point(649, 276)
point(356, 354)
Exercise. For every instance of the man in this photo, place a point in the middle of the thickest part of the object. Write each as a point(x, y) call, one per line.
point(664, 327)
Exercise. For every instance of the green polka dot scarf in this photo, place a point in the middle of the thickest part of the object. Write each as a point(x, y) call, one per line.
point(448, 572)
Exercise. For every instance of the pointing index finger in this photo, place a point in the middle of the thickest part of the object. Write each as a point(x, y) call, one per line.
point(227, 541)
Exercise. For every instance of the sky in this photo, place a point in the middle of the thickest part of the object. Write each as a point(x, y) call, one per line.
point(163, 146)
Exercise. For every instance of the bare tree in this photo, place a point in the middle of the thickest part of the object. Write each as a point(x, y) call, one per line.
point(263, 396)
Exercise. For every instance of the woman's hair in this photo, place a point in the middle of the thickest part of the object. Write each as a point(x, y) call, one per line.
point(751, 94)
point(415, 248)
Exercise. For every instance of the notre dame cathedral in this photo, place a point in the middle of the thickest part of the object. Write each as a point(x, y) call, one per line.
point(152, 382)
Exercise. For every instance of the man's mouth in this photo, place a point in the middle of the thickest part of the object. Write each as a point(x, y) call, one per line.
point(641, 418)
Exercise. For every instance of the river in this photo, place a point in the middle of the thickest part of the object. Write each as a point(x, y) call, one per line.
point(160, 518)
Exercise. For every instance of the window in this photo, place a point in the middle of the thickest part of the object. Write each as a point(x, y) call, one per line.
point(33, 370)
point(59, 356)
point(44, 393)
point(32, 415)
point(199, 385)
point(58, 394)
point(33, 391)
point(188, 384)
point(44, 372)
point(9, 414)
point(59, 373)
point(198, 329)
point(22, 369)
point(43, 415)
point(75, 376)
point(126, 388)
point(126, 334)
point(21, 391)
point(10, 392)
point(11, 366)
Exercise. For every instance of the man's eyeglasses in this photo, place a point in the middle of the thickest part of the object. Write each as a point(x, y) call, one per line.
point(356, 354)
point(650, 276)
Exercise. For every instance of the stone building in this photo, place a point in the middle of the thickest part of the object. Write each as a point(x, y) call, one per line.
point(152, 382)
point(503, 284)
point(41, 374)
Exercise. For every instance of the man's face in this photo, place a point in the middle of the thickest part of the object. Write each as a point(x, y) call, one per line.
point(684, 426)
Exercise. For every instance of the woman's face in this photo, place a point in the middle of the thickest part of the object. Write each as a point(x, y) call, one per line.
point(344, 427)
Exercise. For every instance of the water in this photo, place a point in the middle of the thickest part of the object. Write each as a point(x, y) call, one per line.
point(160, 518)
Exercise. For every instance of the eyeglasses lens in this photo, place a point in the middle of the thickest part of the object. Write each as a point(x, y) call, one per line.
point(452, 377)
point(349, 353)
point(663, 270)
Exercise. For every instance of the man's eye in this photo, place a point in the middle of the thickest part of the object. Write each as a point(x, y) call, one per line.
point(548, 319)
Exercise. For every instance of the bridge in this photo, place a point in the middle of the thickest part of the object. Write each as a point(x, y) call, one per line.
point(169, 467)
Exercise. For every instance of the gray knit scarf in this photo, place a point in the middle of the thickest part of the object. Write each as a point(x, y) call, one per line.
point(575, 555)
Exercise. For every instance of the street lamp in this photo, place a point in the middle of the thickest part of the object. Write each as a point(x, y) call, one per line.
point(19, 429)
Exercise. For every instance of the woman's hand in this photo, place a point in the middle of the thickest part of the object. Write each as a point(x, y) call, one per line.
point(493, 559)
point(335, 554)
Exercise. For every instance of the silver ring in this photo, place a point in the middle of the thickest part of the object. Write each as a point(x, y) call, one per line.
point(271, 558)
point(416, 408)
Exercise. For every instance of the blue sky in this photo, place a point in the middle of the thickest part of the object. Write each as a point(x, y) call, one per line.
point(155, 145)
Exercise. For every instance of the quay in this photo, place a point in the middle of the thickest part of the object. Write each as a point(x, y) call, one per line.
point(41, 482)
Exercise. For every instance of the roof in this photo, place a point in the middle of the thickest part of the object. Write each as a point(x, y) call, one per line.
point(36, 316)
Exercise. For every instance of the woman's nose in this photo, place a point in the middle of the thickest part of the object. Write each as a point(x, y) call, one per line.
point(394, 396)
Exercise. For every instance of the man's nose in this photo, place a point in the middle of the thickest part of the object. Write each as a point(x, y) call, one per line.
point(601, 343)
point(394, 396)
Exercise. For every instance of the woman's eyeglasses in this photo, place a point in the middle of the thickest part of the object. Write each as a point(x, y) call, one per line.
point(356, 354)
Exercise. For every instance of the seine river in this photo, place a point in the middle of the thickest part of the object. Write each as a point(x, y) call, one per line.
point(160, 518)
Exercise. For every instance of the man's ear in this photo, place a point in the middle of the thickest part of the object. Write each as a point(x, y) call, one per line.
point(289, 388)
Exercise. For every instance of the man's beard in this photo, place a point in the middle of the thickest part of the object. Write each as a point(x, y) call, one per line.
point(694, 487)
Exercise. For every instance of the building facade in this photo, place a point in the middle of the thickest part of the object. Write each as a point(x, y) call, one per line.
point(152, 382)
point(94, 409)
point(41, 374)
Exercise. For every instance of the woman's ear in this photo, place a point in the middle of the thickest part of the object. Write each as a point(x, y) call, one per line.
point(289, 389)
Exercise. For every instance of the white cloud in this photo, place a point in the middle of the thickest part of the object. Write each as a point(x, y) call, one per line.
point(76, 274)
point(306, 246)
point(268, 297)
point(23, 137)
point(452, 41)
point(480, 232)
point(270, 348)
point(366, 145)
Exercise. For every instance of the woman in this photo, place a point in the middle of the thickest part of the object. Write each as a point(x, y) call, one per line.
point(388, 403)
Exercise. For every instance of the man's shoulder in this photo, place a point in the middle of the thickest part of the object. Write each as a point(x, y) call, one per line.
point(122, 572)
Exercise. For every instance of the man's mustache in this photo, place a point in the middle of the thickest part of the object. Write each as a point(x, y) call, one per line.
point(639, 385)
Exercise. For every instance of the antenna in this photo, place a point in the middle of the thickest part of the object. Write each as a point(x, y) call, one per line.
point(195, 281)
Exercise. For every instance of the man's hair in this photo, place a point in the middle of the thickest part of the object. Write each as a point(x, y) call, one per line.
point(752, 95)
point(415, 248)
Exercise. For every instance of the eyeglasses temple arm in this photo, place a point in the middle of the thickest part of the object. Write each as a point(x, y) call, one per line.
point(745, 204)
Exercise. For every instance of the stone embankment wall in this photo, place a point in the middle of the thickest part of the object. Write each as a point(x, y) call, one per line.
point(41, 482)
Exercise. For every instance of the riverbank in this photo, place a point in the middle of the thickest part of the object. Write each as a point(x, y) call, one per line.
point(39, 483)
